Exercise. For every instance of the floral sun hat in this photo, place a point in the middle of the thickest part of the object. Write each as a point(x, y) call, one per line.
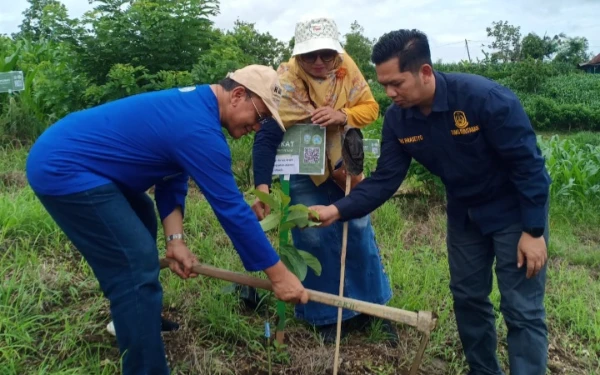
point(316, 34)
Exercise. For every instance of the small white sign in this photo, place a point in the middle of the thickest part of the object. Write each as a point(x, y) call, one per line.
point(286, 164)
point(371, 147)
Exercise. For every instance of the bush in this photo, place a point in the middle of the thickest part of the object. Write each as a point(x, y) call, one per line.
point(546, 114)
point(556, 96)
point(379, 94)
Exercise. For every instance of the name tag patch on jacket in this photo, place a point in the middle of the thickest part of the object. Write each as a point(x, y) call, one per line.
point(413, 139)
point(465, 131)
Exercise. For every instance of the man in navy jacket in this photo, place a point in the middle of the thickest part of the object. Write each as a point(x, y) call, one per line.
point(474, 134)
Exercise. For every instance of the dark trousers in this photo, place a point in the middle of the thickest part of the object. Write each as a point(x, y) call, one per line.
point(116, 234)
point(471, 256)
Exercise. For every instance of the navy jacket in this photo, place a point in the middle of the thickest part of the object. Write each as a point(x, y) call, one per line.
point(478, 140)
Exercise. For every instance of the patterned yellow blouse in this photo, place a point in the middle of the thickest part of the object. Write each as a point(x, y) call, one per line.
point(344, 88)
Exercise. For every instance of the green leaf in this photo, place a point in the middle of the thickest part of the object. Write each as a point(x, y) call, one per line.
point(265, 198)
point(305, 209)
point(311, 261)
point(300, 219)
point(270, 222)
point(294, 215)
point(294, 261)
point(299, 208)
point(286, 226)
point(285, 199)
point(300, 222)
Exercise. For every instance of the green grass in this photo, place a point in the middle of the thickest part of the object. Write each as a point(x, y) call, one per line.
point(53, 316)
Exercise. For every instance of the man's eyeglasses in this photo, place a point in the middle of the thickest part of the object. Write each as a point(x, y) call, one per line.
point(261, 119)
point(326, 56)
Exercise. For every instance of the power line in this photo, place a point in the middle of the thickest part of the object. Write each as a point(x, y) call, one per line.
point(462, 41)
point(448, 44)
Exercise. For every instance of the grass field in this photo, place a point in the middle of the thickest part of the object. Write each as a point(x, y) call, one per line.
point(53, 316)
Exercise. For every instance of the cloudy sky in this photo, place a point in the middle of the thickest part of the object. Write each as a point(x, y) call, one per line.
point(448, 23)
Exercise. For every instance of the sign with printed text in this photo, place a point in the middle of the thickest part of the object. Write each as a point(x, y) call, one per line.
point(302, 151)
point(11, 81)
point(371, 147)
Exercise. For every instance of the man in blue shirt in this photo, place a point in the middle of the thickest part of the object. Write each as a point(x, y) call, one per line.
point(91, 171)
point(474, 134)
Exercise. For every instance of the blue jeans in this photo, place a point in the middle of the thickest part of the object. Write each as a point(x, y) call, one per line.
point(365, 277)
point(471, 257)
point(116, 234)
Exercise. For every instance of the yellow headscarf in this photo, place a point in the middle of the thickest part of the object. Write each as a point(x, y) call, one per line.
point(344, 87)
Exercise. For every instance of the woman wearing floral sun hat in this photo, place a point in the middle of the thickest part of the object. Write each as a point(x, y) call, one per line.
point(322, 85)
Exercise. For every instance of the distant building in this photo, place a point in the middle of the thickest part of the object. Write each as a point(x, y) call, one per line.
point(592, 66)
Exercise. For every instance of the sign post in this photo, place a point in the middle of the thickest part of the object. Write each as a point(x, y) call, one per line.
point(371, 147)
point(11, 82)
point(302, 151)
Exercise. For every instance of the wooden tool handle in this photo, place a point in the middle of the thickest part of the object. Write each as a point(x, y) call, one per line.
point(424, 321)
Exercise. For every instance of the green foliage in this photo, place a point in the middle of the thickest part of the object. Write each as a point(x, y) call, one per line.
point(509, 47)
point(259, 48)
point(297, 261)
point(380, 96)
point(425, 181)
point(573, 89)
point(157, 34)
point(532, 46)
point(575, 170)
point(359, 47)
point(573, 51)
point(9, 62)
point(167, 79)
point(47, 20)
point(529, 75)
point(507, 42)
point(223, 57)
point(546, 114)
point(122, 48)
point(123, 80)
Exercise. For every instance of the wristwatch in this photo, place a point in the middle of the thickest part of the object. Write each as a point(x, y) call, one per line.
point(176, 236)
point(535, 231)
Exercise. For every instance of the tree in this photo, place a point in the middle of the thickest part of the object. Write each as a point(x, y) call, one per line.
point(262, 48)
point(47, 19)
point(507, 42)
point(572, 50)
point(359, 47)
point(224, 56)
point(539, 48)
point(287, 52)
point(156, 34)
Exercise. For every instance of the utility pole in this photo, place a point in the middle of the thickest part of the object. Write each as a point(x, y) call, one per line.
point(468, 53)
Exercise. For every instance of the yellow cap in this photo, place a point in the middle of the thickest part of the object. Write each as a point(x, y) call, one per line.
point(263, 81)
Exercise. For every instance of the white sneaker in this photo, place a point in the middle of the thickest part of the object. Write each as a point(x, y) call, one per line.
point(166, 326)
point(111, 328)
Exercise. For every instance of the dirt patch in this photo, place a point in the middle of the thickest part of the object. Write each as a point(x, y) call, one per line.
point(562, 362)
point(589, 237)
point(304, 354)
point(16, 179)
point(427, 226)
point(194, 191)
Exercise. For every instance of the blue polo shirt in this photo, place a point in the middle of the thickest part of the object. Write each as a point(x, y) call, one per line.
point(156, 139)
point(478, 140)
